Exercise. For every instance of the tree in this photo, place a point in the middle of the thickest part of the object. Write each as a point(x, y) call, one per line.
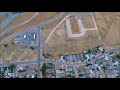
point(43, 68)
point(11, 67)
point(33, 48)
point(5, 45)
point(117, 56)
point(89, 51)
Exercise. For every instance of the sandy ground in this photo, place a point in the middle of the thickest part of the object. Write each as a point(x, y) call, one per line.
point(17, 52)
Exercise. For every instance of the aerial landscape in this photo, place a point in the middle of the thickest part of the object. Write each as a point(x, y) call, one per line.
point(59, 44)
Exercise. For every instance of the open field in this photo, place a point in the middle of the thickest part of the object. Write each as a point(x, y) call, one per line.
point(109, 27)
point(60, 43)
point(87, 22)
point(37, 20)
point(52, 25)
point(74, 25)
point(15, 52)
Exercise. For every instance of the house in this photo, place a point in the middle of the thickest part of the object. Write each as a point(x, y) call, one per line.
point(106, 57)
point(69, 69)
point(91, 71)
point(78, 57)
point(49, 65)
point(49, 71)
point(49, 76)
point(24, 36)
point(21, 68)
point(70, 57)
point(82, 58)
point(99, 68)
point(101, 76)
point(96, 65)
point(98, 62)
point(21, 74)
point(90, 75)
point(66, 57)
point(90, 66)
point(100, 48)
point(116, 63)
point(60, 73)
point(87, 56)
point(74, 57)
point(61, 58)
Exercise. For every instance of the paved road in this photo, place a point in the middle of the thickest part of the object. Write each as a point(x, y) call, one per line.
point(116, 49)
point(55, 62)
point(4, 13)
point(39, 25)
point(20, 24)
point(39, 54)
point(17, 63)
point(8, 20)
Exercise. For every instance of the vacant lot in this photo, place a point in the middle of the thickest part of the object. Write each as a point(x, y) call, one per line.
point(74, 25)
point(14, 52)
point(87, 22)
point(109, 27)
point(60, 43)
point(52, 25)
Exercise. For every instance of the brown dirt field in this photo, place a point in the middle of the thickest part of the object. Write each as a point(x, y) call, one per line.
point(74, 25)
point(40, 18)
point(60, 43)
point(109, 27)
point(87, 22)
point(17, 52)
point(23, 17)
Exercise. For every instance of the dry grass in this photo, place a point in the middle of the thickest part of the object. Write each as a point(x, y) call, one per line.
point(52, 25)
point(17, 52)
point(74, 25)
point(109, 27)
point(22, 18)
point(87, 22)
point(39, 19)
point(60, 43)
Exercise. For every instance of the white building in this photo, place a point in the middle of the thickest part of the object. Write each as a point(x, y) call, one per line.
point(106, 57)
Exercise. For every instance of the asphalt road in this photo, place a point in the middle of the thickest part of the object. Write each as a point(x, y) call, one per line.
point(39, 54)
point(39, 25)
point(20, 24)
point(8, 20)
point(54, 62)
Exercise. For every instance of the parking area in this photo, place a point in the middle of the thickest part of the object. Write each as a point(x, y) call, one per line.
point(27, 38)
